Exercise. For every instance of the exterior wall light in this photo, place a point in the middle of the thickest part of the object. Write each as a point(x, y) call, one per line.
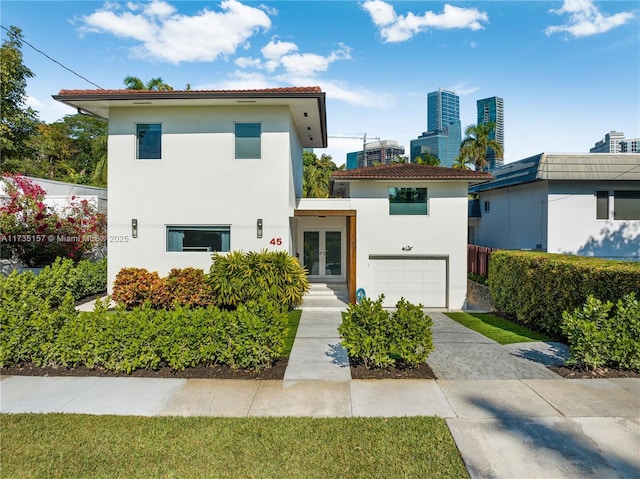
point(407, 248)
point(259, 228)
point(134, 228)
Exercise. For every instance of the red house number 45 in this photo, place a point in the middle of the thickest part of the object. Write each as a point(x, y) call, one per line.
point(276, 241)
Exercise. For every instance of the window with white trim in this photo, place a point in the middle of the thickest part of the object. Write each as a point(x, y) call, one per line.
point(248, 141)
point(198, 238)
point(148, 141)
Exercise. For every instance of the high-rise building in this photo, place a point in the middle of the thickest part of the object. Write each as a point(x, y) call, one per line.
point(630, 145)
point(443, 108)
point(492, 110)
point(377, 152)
point(444, 132)
point(611, 143)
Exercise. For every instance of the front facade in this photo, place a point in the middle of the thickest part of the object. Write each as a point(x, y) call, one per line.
point(375, 153)
point(492, 110)
point(582, 204)
point(191, 173)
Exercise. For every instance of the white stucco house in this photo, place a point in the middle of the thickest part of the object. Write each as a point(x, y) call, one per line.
point(581, 203)
point(192, 172)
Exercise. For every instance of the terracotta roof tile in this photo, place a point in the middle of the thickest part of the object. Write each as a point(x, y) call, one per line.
point(308, 89)
point(410, 171)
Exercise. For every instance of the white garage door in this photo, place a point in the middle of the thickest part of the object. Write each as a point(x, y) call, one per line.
point(418, 279)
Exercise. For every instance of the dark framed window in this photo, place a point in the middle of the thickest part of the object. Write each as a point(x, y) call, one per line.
point(148, 141)
point(408, 201)
point(602, 205)
point(487, 206)
point(198, 238)
point(626, 205)
point(248, 144)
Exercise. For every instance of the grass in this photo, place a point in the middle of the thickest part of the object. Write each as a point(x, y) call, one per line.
point(79, 446)
point(498, 329)
point(294, 322)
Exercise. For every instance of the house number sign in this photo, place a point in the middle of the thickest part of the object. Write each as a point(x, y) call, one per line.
point(276, 241)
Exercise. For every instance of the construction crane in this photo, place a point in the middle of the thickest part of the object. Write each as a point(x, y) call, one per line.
point(362, 137)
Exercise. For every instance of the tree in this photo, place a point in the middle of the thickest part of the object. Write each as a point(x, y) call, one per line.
point(477, 142)
point(316, 174)
point(461, 163)
point(134, 83)
point(18, 122)
point(428, 159)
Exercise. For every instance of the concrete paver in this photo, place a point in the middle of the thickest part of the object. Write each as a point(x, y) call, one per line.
point(495, 398)
point(389, 398)
point(631, 385)
point(302, 399)
point(587, 397)
point(212, 397)
point(25, 394)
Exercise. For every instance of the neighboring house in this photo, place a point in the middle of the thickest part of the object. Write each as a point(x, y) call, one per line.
point(586, 204)
point(192, 172)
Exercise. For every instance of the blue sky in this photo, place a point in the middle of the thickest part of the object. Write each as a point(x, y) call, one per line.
point(569, 71)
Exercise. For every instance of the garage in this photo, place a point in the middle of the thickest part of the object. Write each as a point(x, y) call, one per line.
point(419, 279)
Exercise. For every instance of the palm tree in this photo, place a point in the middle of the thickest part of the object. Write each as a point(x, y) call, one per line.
point(476, 144)
point(461, 163)
point(428, 159)
point(134, 83)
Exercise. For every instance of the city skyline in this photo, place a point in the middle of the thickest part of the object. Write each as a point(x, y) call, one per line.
point(551, 61)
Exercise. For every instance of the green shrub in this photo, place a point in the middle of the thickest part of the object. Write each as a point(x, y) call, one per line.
point(238, 277)
point(597, 338)
point(373, 336)
point(90, 278)
point(537, 287)
point(478, 279)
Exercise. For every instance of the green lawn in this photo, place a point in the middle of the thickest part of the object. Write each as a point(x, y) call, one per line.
point(294, 322)
point(79, 446)
point(498, 329)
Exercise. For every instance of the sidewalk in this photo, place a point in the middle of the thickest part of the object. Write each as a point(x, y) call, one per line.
point(508, 417)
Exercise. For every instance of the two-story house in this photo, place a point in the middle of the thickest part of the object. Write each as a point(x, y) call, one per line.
point(193, 172)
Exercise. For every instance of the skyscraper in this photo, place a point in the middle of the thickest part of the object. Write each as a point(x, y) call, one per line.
point(443, 108)
point(444, 133)
point(492, 110)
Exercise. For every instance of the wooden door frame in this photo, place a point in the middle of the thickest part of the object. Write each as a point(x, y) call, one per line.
point(350, 242)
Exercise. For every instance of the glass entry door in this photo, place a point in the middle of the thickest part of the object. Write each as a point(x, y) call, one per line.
point(323, 253)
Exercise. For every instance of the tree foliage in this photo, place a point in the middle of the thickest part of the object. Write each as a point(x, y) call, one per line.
point(135, 83)
point(316, 174)
point(18, 122)
point(428, 159)
point(476, 144)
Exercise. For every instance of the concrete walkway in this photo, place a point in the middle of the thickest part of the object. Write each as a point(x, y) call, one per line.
point(508, 417)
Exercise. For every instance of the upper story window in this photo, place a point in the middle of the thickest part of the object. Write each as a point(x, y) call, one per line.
point(626, 205)
point(602, 205)
point(408, 201)
point(198, 238)
point(248, 144)
point(148, 141)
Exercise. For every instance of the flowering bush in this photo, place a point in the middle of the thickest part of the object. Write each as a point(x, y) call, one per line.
point(36, 234)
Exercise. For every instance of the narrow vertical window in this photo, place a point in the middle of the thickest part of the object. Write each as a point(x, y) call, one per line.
point(487, 206)
point(602, 205)
point(248, 145)
point(148, 141)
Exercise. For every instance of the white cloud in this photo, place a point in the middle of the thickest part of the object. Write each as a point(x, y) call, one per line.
point(275, 49)
point(585, 19)
point(399, 28)
point(168, 36)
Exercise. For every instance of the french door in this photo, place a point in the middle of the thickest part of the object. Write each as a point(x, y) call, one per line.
point(323, 253)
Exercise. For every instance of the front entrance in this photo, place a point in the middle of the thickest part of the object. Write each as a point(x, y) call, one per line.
point(323, 253)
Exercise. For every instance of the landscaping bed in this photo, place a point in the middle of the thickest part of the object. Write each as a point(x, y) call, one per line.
point(422, 371)
point(598, 373)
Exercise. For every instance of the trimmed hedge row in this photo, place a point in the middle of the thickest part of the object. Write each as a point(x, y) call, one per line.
point(83, 279)
point(251, 336)
point(378, 339)
point(537, 288)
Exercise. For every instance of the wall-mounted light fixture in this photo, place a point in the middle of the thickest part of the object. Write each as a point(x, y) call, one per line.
point(259, 228)
point(134, 228)
point(407, 248)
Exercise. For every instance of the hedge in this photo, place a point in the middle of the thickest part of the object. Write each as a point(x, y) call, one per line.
point(536, 288)
point(31, 331)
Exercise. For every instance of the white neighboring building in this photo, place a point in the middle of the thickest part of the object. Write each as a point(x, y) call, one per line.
point(192, 172)
point(584, 204)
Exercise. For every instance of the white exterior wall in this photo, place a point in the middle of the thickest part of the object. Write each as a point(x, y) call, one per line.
point(517, 217)
point(442, 232)
point(574, 229)
point(197, 182)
